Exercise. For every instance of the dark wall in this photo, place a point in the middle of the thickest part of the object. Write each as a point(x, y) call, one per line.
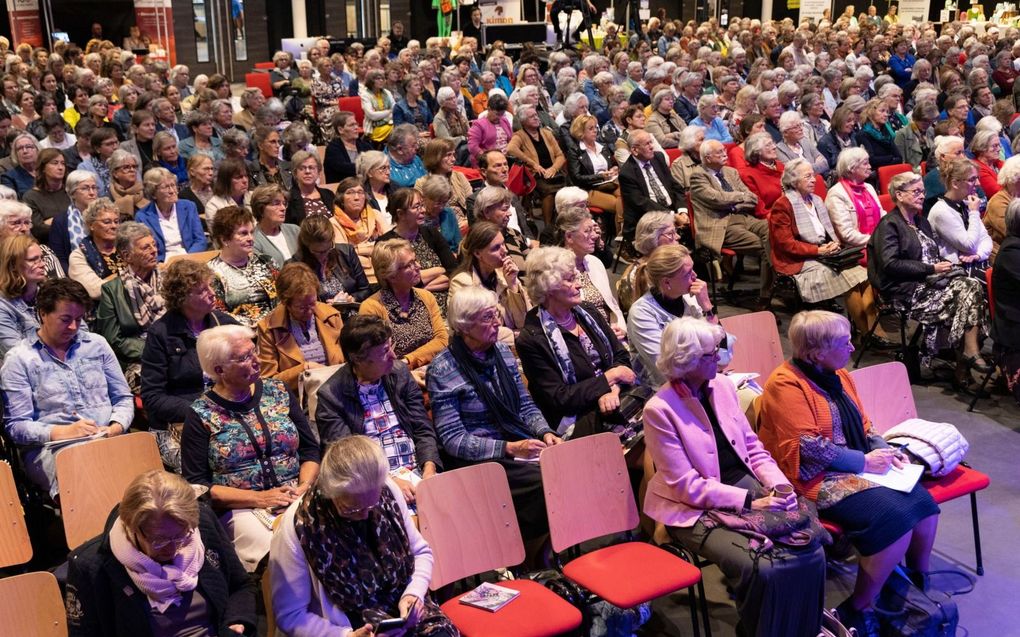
point(76, 18)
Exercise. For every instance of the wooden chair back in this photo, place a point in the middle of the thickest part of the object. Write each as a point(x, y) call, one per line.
point(758, 348)
point(885, 394)
point(587, 490)
point(15, 545)
point(468, 518)
point(93, 476)
point(31, 606)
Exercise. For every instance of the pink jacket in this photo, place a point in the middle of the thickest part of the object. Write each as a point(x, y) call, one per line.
point(679, 437)
point(482, 137)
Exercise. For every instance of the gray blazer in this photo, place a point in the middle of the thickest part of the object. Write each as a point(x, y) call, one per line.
point(815, 158)
point(264, 246)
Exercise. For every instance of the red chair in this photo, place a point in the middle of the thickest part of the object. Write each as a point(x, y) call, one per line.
point(673, 154)
point(472, 174)
point(924, 168)
point(887, 202)
point(467, 516)
point(886, 173)
point(886, 398)
point(820, 188)
point(588, 495)
point(725, 252)
point(265, 66)
point(353, 104)
point(260, 81)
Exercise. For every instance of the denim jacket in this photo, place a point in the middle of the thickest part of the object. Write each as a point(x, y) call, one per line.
point(41, 391)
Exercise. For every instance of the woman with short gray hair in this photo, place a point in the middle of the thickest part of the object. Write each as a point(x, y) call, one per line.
point(125, 185)
point(665, 124)
point(853, 205)
point(986, 150)
point(24, 152)
point(764, 172)
point(914, 141)
point(794, 144)
point(96, 260)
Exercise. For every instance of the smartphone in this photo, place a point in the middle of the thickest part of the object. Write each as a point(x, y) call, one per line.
point(390, 624)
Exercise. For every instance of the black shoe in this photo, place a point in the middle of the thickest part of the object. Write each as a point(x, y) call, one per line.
point(977, 363)
point(865, 621)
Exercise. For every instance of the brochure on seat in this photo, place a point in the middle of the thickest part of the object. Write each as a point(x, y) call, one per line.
point(489, 597)
point(902, 479)
point(53, 444)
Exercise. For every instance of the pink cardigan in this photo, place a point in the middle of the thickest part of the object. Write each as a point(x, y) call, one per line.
point(482, 137)
point(679, 437)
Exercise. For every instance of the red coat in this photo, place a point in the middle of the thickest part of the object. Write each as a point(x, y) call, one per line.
point(988, 176)
point(735, 157)
point(766, 184)
point(788, 252)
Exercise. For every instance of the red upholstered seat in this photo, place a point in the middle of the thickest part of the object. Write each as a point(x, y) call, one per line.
point(631, 573)
point(536, 612)
point(960, 482)
point(832, 527)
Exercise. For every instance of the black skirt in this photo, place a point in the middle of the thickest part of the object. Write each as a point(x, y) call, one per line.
point(875, 518)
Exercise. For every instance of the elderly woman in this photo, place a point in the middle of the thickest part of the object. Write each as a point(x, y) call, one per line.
point(436, 195)
point(764, 172)
point(307, 199)
point(244, 282)
point(683, 166)
point(800, 230)
point(377, 103)
point(433, 253)
point(708, 118)
point(166, 212)
point(492, 130)
point(49, 198)
point(171, 377)
point(413, 313)
point(577, 368)
point(375, 396)
point(956, 216)
point(794, 145)
point(485, 262)
point(853, 205)
point(450, 122)
point(231, 188)
point(709, 460)
point(273, 237)
point(579, 234)
point(344, 148)
point(483, 412)
point(326, 91)
point(497, 204)
point(664, 124)
point(283, 72)
point(877, 136)
point(816, 122)
point(439, 158)
point(353, 220)
point(654, 229)
point(906, 264)
point(353, 520)
point(813, 422)
point(164, 148)
point(373, 168)
point(591, 166)
point(236, 144)
point(841, 136)
point(96, 261)
point(133, 300)
point(24, 153)
point(125, 186)
point(986, 151)
point(157, 544)
point(412, 107)
point(995, 213)
point(201, 175)
point(301, 333)
point(342, 278)
point(914, 140)
point(536, 147)
point(251, 472)
point(267, 168)
point(202, 140)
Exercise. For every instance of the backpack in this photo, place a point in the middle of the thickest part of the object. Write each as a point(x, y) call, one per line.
point(907, 611)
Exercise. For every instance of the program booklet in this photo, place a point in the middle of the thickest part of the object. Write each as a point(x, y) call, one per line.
point(489, 597)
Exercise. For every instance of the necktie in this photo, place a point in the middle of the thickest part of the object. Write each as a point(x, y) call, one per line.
point(725, 184)
point(657, 193)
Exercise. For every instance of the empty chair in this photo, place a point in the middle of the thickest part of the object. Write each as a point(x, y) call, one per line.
point(758, 348)
point(31, 606)
point(15, 545)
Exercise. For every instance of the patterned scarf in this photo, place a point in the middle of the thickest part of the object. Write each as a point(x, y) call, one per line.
point(807, 222)
point(554, 336)
point(501, 399)
point(161, 583)
point(146, 302)
point(361, 564)
point(75, 225)
point(96, 260)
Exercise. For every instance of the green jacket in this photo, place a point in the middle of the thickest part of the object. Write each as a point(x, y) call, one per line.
point(117, 324)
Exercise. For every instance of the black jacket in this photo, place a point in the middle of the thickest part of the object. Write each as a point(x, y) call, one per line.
point(1006, 290)
point(580, 169)
point(102, 601)
point(880, 152)
point(894, 256)
point(339, 413)
point(171, 375)
point(296, 205)
point(636, 198)
point(435, 241)
point(338, 164)
point(552, 394)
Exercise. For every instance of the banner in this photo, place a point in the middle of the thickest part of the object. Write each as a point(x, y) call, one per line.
point(813, 9)
point(914, 10)
point(155, 19)
point(25, 24)
point(500, 11)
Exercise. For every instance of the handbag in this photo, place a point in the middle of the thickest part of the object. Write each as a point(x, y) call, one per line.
point(905, 609)
point(309, 383)
point(842, 260)
point(796, 528)
point(521, 181)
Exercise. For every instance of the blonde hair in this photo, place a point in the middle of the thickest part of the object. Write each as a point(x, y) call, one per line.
point(684, 341)
point(384, 258)
point(814, 332)
point(665, 261)
point(353, 464)
point(157, 494)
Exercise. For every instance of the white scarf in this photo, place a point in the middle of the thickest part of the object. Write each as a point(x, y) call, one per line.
point(161, 583)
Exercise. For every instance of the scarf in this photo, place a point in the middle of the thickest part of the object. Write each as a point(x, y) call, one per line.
point(868, 210)
point(849, 416)
point(809, 223)
point(96, 260)
point(361, 564)
point(128, 200)
point(146, 302)
point(884, 136)
point(161, 583)
point(501, 399)
point(554, 336)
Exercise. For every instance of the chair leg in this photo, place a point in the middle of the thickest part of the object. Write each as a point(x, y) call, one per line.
point(977, 533)
point(704, 608)
point(616, 259)
point(693, 601)
point(866, 341)
point(981, 389)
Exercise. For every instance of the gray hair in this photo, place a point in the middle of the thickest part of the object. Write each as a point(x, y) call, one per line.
point(573, 103)
point(464, 307)
point(96, 208)
point(400, 134)
point(764, 98)
point(1010, 171)
point(352, 465)
point(790, 172)
point(684, 341)
point(705, 101)
point(13, 210)
point(119, 158)
point(488, 197)
point(982, 140)
point(153, 179)
point(889, 88)
point(444, 93)
point(942, 144)
point(234, 138)
point(659, 96)
point(788, 88)
point(215, 345)
point(989, 123)
point(814, 332)
point(1013, 218)
point(369, 161)
point(76, 178)
point(547, 267)
point(127, 234)
point(651, 226)
point(901, 181)
point(848, 158)
point(570, 199)
point(790, 119)
point(689, 138)
point(753, 146)
point(14, 145)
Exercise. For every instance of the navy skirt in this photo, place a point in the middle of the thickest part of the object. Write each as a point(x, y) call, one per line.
point(875, 518)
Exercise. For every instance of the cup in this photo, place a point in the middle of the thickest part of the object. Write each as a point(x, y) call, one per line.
point(782, 490)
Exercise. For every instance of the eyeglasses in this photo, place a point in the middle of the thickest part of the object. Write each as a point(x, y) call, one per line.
point(490, 316)
point(88, 188)
point(176, 542)
point(347, 513)
point(245, 358)
point(913, 192)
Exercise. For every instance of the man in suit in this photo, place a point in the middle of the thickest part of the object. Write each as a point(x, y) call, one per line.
point(723, 213)
point(166, 119)
point(645, 184)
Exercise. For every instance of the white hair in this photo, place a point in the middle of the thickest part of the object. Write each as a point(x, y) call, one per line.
point(464, 307)
point(216, 345)
point(684, 341)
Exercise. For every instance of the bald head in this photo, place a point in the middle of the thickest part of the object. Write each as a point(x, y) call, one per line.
point(641, 145)
point(713, 154)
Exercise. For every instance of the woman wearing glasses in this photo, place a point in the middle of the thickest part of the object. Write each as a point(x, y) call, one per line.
point(167, 213)
point(306, 198)
point(160, 545)
point(246, 440)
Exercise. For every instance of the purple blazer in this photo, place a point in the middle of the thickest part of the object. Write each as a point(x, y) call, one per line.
point(482, 136)
point(679, 437)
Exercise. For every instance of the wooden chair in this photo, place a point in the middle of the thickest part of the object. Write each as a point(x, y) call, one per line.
point(15, 544)
point(886, 398)
point(92, 478)
point(200, 257)
point(886, 173)
point(31, 606)
point(588, 495)
point(467, 516)
point(758, 348)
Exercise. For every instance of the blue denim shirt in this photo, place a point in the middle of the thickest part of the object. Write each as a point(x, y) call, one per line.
point(41, 391)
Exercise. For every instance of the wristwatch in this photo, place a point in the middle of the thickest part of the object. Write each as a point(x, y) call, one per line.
point(709, 312)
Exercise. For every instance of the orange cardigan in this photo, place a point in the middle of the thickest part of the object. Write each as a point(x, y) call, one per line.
point(791, 407)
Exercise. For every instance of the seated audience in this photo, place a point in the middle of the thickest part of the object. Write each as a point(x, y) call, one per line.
point(244, 282)
point(764, 172)
point(579, 234)
point(591, 167)
point(708, 118)
point(956, 217)
point(440, 157)
point(342, 278)
point(436, 195)
point(986, 151)
point(412, 108)
point(60, 382)
point(158, 543)
point(653, 230)
point(65, 228)
point(164, 147)
point(350, 522)
point(645, 184)
point(496, 204)
point(841, 134)
point(536, 148)
point(201, 176)
point(794, 144)
point(267, 168)
point(995, 214)
point(96, 260)
point(877, 135)
point(492, 130)
point(167, 213)
point(301, 333)
point(247, 477)
point(343, 150)
point(306, 197)
point(273, 237)
point(231, 188)
point(374, 174)
point(486, 262)
point(803, 400)
point(354, 221)
point(749, 125)
point(482, 411)
point(709, 461)
point(22, 269)
point(125, 184)
point(690, 143)
point(203, 140)
point(24, 153)
point(49, 197)
point(406, 167)
point(16, 219)
point(914, 141)
point(450, 122)
point(377, 104)
point(853, 205)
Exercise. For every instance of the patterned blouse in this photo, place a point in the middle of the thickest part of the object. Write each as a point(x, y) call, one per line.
point(382, 424)
point(247, 293)
point(591, 295)
point(427, 258)
point(411, 329)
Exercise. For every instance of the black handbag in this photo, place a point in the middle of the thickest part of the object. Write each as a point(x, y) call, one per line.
point(842, 260)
